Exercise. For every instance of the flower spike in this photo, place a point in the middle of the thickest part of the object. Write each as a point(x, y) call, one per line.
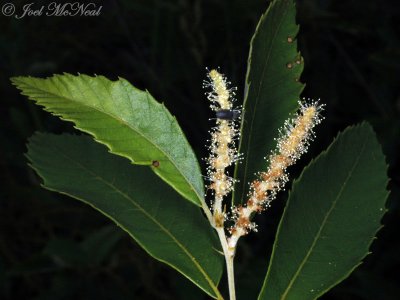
point(292, 143)
point(223, 152)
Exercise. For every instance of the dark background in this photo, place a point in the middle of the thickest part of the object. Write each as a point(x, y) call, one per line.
point(352, 62)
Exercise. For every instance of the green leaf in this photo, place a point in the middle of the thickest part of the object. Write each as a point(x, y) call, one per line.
point(331, 218)
point(129, 121)
point(169, 229)
point(272, 89)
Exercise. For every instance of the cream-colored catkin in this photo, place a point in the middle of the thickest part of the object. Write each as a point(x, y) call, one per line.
point(294, 140)
point(220, 94)
point(222, 149)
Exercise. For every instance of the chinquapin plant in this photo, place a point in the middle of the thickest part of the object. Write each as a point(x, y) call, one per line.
point(136, 167)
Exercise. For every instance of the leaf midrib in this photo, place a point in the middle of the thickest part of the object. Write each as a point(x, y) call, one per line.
point(118, 120)
point(257, 101)
point(150, 217)
point(318, 235)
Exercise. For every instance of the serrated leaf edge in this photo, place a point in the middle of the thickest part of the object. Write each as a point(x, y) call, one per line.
point(322, 154)
point(20, 80)
point(186, 251)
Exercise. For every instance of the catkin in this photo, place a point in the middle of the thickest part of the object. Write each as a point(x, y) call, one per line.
point(293, 142)
point(223, 152)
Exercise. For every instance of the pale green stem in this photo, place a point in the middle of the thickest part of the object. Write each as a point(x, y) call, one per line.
point(229, 256)
point(231, 276)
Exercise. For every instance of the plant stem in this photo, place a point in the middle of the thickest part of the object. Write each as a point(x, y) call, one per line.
point(229, 257)
point(231, 276)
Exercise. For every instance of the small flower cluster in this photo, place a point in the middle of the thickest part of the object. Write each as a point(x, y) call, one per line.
point(292, 143)
point(222, 149)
